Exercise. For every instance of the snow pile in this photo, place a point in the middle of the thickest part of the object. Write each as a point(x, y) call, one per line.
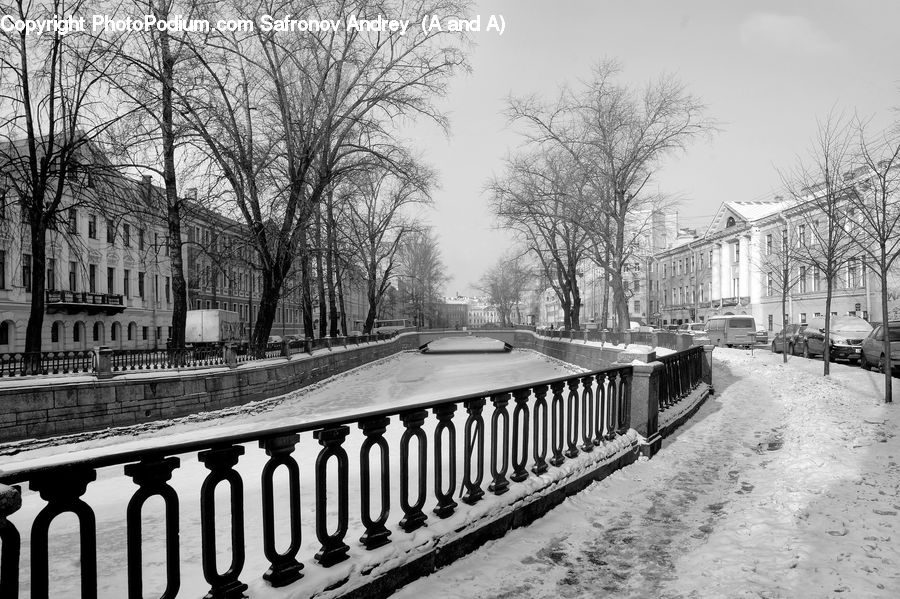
point(784, 484)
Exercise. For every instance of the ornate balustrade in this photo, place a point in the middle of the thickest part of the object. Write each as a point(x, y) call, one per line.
point(682, 373)
point(374, 477)
point(42, 363)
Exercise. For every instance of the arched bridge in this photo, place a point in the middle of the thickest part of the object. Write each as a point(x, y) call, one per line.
point(466, 341)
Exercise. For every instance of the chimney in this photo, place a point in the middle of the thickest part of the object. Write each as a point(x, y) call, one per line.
point(147, 185)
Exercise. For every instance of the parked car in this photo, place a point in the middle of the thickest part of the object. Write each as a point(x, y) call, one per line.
point(845, 336)
point(872, 351)
point(730, 330)
point(693, 328)
point(786, 338)
point(762, 335)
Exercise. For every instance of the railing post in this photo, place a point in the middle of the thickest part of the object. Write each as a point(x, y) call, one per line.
point(376, 533)
point(499, 485)
point(10, 542)
point(445, 505)
point(707, 367)
point(62, 489)
point(413, 516)
point(557, 424)
point(541, 422)
point(103, 362)
point(645, 404)
point(474, 443)
point(284, 567)
point(520, 446)
point(229, 355)
point(333, 548)
point(307, 345)
point(152, 479)
point(285, 349)
point(221, 462)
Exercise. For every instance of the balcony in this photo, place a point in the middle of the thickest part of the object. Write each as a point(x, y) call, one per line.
point(74, 302)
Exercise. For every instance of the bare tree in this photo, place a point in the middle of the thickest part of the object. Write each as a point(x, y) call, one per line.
point(780, 266)
point(505, 284)
point(50, 114)
point(618, 137)
point(374, 223)
point(287, 115)
point(874, 222)
point(422, 277)
point(536, 199)
point(819, 187)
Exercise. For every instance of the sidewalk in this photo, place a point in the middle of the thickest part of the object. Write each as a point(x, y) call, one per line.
point(784, 484)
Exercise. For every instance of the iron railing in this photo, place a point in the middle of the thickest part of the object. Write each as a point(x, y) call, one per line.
point(128, 360)
point(507, 436)
point(51, 362)
point(682, 374)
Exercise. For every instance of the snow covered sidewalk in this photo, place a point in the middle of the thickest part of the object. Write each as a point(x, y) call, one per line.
point(784, 484)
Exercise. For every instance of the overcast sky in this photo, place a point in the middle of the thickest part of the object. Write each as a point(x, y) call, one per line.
point(766, 70)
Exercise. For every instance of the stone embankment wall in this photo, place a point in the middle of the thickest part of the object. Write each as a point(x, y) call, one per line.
point(34, 408)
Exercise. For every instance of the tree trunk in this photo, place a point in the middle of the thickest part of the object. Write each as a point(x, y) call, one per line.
point(371, 296)
point(340, 295)
point(173, 204)
point(268, 306)
point(886, 343)
point(305, 292)
point(34, 330)
point(826, 347)
point(320, 277)
point(784, 321)
point(604, 309)
point(330, 259)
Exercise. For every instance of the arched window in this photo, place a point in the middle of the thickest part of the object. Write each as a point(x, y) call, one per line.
point(729, 222)
point(97, 331)
point(54, 332)
point(114, 332)
point(4, 332)
point(76, 332)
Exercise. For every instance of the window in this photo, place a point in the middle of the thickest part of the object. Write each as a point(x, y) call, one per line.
point(158, 333)
point(73, 221)
point(167, 290)
point(2, 269)
point(145, 333)
point(51, 274)
point(816, 279)
point(208, 304)
point(141, 239)
point(801, 234)
point(126, 235)
point(853, 278)
point(110, 280)
point(126, 284)
point(140, 284)
point(199, 305)
point(96, 336)
point(76, 333)
point(637, 286)
point(131, 331)
point(771, 321)
point(26, 272)
point(729, 222)
point(110, 231)
point(637, 306)
point(802, 280)
point(92, 226)
point(92, 279)
point(770, 284)
point(114, 331)
point(803, 318)
point(54, 332)
point(4, 332)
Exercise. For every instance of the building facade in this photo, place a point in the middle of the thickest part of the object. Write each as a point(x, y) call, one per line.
point(737, 267)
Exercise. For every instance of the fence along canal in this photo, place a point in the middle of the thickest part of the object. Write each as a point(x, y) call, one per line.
point(302, 498)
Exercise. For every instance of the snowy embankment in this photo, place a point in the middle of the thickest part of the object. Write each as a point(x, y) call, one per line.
point(784, 484)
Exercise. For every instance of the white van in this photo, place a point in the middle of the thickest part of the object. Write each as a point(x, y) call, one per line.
point(731, 330)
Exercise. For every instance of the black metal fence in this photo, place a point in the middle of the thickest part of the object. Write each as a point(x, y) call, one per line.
point(682, 374)
point(128, 360)
point(460, 448)
point(51, 362)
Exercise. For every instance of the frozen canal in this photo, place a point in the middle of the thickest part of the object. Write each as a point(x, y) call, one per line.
point(401, 379)
point(783, 485)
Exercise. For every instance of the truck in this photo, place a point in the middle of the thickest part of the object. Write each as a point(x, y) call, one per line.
point(212, 327)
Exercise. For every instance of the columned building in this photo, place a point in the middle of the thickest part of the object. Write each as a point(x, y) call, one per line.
point(736, 267)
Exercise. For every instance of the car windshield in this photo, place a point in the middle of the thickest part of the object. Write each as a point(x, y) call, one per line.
point(742, 323)
point(843, 325)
